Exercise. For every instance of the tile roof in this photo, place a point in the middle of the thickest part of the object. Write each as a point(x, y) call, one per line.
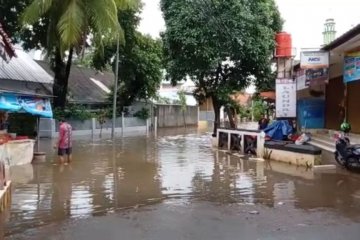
point(243, 99)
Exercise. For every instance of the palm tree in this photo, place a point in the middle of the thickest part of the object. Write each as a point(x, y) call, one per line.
point(70, 24)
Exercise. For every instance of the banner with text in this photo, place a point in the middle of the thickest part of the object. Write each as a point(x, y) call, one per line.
point(352, 67)
point(314, 59)
point(285, 98)
point(317, 77)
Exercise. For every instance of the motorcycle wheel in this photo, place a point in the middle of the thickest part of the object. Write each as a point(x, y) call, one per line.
point(339, 160)
point(350, 162)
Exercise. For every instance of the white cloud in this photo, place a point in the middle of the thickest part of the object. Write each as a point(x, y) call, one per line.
point(152, 21)
point(304, 19)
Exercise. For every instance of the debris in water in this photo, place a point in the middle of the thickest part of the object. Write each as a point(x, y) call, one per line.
point(339, 183)
point(254, 212)
point(302, 225)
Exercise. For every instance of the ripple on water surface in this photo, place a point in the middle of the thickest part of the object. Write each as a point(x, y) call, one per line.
point(136, 171)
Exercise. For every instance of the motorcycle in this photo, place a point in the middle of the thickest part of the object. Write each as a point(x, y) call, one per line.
point(346, 154)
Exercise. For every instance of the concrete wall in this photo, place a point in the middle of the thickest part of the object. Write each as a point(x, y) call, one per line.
point(172, 116)
point(207, 116)
point(49, 127)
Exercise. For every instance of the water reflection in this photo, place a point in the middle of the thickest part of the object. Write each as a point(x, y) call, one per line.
point(137, 171)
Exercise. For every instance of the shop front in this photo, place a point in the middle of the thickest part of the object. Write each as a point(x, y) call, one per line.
point(312, 74)
point(18, 136)
point(342, 92)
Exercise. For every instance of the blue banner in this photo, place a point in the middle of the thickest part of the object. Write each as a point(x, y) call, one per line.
point(352, 67)
point(33, 105)
point(9, 103)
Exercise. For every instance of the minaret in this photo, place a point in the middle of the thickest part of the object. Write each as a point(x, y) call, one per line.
point(329, 32)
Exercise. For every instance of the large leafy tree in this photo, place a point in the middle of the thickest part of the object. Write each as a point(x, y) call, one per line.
point(223, 45)
point(63, 28)
point(140, 62)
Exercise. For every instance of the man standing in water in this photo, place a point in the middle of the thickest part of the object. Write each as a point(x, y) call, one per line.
point(64, 144)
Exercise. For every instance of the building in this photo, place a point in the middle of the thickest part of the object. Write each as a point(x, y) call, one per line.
point(87, 87)
point(342, 91)
point(22, 75)
point(25, 92)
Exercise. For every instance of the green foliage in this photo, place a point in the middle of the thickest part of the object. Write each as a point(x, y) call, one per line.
point(143, 114)
point(70, 22)
point(140, 62)
point(182, 100)
point(163, 100)
point(266, 83)
point(74, 112)
point(101, 116)
point(221, 44)
point(259, 109)
point(62, 29)
point(244, 112)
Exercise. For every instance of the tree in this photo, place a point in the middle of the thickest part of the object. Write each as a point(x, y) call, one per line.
point(63, 29)
point(222, 45)
point(101, 117)
point(140, 62)
point(183, 104)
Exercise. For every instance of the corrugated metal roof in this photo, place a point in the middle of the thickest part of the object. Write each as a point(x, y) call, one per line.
point(82, 89)
point(25, 88)
point(24, 68)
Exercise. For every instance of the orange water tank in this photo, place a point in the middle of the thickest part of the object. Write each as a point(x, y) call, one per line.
point(283, 44)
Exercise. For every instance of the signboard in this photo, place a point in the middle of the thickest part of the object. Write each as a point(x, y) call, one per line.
point(314, 60)
point(352, 67)
point(301, 80)
point(32, 105)
point(317, 77)
point(285, 98)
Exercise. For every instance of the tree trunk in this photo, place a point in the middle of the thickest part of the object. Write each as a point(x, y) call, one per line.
point(61, 80)
point(217, 107)
point(231, 115)
point(184, 118)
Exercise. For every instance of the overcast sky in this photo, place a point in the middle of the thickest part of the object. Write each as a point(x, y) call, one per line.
point(304, 19)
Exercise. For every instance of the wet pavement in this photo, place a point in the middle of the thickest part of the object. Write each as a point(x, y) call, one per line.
point(176, 187)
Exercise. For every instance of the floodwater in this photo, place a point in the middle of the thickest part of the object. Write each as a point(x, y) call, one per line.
point(139, 182)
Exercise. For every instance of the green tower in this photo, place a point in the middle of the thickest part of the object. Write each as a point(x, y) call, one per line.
point(329, 31)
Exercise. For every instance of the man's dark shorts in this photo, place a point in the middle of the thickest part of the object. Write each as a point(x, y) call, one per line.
point(64, 151)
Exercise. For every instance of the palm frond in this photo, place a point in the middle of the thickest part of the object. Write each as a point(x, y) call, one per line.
point(35, 10)
point(104, 17)
point(127, 4)
point(71, 23)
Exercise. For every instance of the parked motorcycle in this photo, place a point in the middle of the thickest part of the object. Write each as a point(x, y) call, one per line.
point(347, 155)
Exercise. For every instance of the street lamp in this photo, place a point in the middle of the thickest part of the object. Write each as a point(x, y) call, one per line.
point(115, 88)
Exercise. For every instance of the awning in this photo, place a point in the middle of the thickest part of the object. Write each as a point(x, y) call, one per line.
point(33, 105)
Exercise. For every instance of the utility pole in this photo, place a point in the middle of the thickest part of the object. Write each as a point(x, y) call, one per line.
point(115, 88)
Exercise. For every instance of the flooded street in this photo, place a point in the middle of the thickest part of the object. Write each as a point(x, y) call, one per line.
point(176, 187)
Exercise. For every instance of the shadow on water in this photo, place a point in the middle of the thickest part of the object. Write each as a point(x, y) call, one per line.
point(173, 168)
